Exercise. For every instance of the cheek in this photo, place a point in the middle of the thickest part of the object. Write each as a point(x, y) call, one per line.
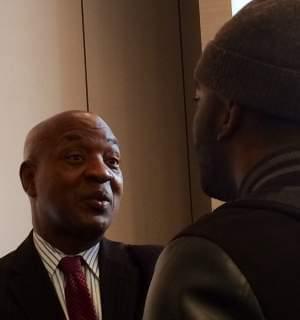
point(68, 178)
point(200, 129)
point(117, 185)
point(196, 130)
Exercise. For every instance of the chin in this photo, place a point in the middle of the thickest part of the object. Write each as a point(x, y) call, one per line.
point(222, 195)
point(215, 175)
point(217, 188)
point(90, 234)
point(99, 227)
point(90, 231)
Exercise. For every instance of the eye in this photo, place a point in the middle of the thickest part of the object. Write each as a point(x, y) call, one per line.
point(113, 163)
point(74, 158)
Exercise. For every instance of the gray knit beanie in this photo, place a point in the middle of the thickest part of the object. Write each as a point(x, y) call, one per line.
point(254, 59)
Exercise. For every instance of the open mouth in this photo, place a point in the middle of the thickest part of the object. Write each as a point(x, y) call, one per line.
point(98, 201)
point(96, 204)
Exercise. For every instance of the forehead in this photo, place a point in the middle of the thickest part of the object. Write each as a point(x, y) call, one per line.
point(85, 129)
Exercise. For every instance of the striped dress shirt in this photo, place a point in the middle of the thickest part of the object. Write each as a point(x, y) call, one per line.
point(51, 257)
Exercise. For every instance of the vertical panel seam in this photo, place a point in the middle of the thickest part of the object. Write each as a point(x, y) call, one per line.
point(185, 108)
point(84, 57)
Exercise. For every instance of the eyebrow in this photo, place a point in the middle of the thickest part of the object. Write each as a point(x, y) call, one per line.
point(77, 137)
point(113, 141)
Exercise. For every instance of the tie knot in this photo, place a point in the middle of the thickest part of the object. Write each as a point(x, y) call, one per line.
point(69, 265)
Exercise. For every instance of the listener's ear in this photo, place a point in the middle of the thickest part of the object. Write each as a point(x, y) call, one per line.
point(27, 176)
point(230, 122)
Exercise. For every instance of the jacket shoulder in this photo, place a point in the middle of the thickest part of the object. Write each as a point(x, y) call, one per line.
point(146, 254)
point(6, 266)
point(237, 215)
point(143, 255)
point(6, 262)
point(208, 284)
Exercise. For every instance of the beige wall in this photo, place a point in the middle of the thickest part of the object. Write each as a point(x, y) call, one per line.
point(213, 14)
point(238, 5)
point(42, 72)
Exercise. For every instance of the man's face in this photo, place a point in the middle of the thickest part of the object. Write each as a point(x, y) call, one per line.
point(78, 180)
point(214, 169)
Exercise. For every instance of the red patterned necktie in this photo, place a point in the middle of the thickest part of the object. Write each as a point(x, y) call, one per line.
point(78, 299)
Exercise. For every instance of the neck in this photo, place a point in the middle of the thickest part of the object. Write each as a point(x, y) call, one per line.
point(245, 156)
point(279, 170)
point(68, 245)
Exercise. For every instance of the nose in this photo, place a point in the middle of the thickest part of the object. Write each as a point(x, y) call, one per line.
point(98, 171)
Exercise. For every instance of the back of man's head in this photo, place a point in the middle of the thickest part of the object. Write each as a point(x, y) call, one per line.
point(250, 75)
point(254, 59)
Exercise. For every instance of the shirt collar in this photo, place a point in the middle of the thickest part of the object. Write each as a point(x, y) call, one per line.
point(51, 256)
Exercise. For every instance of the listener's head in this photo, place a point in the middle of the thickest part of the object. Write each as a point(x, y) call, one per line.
point(248, 93)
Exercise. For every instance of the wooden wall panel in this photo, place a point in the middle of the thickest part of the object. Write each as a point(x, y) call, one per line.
point(191, 51)
point(213, 14)
point(135, 82)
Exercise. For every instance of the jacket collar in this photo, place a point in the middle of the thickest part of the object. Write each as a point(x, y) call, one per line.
point(119, 283)
point(276, 178)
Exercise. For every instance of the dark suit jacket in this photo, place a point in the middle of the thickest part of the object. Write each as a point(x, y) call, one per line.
point(26, 292)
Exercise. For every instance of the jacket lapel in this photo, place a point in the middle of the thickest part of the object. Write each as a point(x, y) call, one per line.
point(118, 282)
point(31, 286)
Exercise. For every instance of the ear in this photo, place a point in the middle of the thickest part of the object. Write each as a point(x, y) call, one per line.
point(27, 175)
point(230, 121)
